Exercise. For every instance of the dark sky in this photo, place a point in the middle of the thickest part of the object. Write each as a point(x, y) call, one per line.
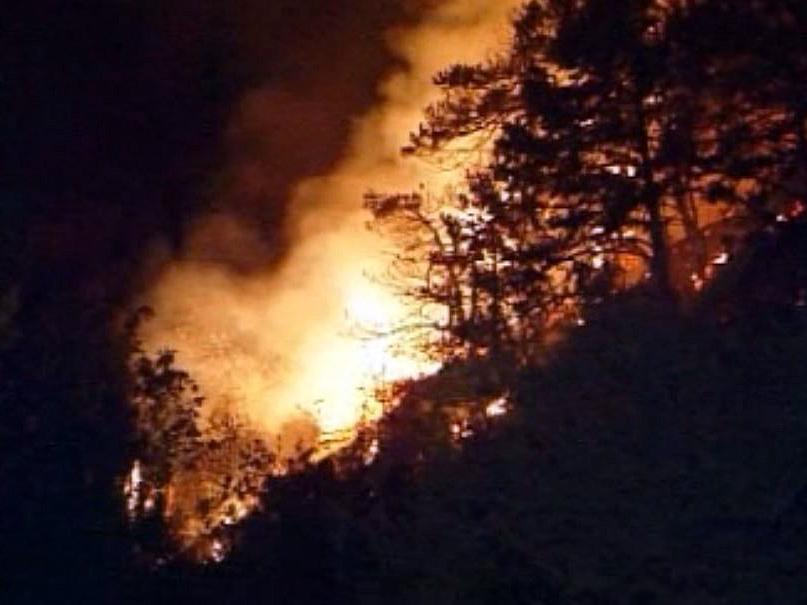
point(116, 113)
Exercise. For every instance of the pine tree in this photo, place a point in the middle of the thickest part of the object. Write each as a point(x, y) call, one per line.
point(756, 56)
point(623, 143)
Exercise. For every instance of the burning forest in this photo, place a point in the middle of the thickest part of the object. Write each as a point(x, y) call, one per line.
point(430, 301)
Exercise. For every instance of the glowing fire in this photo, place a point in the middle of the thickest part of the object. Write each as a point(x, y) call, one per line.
point(313, 336)
point(351, 361)
point(497, 407)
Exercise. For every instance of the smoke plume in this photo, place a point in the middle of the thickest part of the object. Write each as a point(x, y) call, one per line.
point(263, 304)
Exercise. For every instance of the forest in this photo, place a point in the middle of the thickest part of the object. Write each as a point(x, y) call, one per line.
point(610, 293)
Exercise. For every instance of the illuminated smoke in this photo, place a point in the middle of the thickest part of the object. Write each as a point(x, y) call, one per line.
point(273, 336)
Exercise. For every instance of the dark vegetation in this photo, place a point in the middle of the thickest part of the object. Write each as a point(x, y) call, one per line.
point(655, 444)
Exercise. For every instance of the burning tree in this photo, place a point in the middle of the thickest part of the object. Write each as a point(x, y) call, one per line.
point(193, 474)
point(613, 135)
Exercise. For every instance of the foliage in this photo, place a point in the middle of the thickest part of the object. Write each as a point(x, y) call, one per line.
point(619, 138)
point(652, 457)
point(194, 473)
point(651, 454)
point(168, 413)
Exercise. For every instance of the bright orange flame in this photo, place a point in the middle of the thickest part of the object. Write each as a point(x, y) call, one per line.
point(315, 336)
point(357, 355)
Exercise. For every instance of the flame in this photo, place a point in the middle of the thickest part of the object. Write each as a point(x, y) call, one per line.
point(358, 353)
point(498, 407)
point(313, 336)
point(133, 489)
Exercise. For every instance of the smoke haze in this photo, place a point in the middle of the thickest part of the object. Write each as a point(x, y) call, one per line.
point(264, 301)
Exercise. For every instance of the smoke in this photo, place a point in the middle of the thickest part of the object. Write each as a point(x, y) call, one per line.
point(264, 303)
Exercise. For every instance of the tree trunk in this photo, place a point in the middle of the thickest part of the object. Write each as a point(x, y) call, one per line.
point(659, 261)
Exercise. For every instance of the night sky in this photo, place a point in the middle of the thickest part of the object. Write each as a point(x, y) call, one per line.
point(120, 117)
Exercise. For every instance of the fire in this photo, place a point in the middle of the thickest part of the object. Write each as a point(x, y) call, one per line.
point(357, 355)
point(497, 407)
point(304, 386)
point(309, 339)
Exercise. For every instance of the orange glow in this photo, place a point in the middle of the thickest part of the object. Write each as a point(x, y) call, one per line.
point(497, 407)
point(310, 339)
point(357, 354)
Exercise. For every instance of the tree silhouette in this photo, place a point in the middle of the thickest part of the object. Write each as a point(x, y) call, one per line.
point(193, 474)
point(756, 54)
point(620, 145)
